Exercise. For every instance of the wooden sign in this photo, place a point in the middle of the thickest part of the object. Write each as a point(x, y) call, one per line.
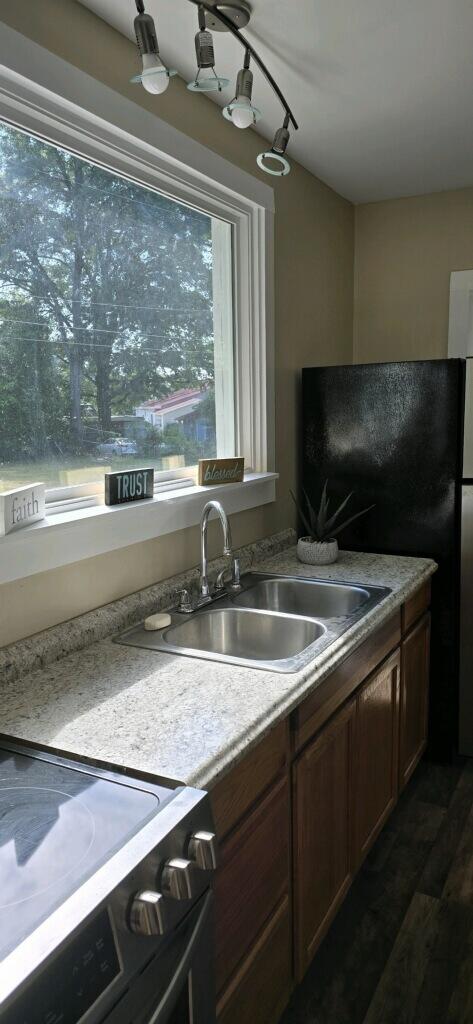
point(220, 471)
point(128, 485)
point(21, 507)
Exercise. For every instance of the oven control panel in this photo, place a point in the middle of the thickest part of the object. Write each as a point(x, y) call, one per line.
point(76, 979)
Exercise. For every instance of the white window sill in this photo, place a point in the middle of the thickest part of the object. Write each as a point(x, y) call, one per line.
point(67, 537)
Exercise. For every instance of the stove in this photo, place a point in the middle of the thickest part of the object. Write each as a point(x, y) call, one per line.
point(101, 874)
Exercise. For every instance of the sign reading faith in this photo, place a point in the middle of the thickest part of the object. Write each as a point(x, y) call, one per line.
point(128, 485)
point(220, 471)
point(21, 507)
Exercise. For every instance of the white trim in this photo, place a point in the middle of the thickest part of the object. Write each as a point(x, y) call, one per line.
point(72, 536)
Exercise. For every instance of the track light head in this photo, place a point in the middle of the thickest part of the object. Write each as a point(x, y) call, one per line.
point(240, 110)
point(206, 79)
point(155, 75)
point(273, 160)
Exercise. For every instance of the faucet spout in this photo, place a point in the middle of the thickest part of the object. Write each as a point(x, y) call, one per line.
point(212, 506)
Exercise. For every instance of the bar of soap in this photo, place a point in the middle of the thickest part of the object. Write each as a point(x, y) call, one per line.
point(158, 621)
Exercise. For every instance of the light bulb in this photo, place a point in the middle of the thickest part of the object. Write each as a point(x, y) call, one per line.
point(159, 82)
point(242, 115)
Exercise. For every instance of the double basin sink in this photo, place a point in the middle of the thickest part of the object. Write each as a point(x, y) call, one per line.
point(273, 622)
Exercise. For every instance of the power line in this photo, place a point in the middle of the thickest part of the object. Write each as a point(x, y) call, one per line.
point(121, 305)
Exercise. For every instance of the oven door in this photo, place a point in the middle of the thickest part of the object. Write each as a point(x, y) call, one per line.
point(177, 986)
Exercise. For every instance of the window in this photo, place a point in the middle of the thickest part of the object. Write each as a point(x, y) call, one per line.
point(116, 322)
point(138, 344)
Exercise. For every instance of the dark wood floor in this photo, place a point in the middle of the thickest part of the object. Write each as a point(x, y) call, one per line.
point(401, 948)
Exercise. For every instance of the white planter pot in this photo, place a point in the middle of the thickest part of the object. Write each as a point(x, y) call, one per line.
point(317, 552)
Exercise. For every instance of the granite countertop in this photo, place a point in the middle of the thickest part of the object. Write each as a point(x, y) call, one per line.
point(186, 718)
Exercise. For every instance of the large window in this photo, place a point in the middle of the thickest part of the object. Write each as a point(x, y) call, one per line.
point(116, 324)
point(136, 312)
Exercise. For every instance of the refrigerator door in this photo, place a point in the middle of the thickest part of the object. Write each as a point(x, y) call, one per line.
point(393, 434)
point(465, 719)
point(468, 439)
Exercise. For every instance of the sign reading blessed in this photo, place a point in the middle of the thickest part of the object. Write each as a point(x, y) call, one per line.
point(220, 471)
point(128, 485)
point(21, 507)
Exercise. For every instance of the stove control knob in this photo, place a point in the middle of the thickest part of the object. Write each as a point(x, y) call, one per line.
point(180, 879)
point(203, 850)
point(147, 914)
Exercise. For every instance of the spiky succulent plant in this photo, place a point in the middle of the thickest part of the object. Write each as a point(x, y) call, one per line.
point(320, 527)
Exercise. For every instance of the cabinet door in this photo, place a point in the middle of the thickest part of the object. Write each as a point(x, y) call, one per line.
point(252, 878)
point(414, 698)
point(322, 832)
point(261, 987)
point(376, 761)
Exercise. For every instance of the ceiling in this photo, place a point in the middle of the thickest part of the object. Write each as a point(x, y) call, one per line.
point(382, 89)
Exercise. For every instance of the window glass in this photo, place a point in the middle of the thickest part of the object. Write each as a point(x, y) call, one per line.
point(112, 338)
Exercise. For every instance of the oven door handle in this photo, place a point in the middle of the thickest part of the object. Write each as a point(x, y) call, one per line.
point(174, 989)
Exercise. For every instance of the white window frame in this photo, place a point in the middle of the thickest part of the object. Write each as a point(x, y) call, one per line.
point(65, 106)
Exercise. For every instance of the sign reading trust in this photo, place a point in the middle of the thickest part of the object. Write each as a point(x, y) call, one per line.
point(128, 485)
point(220, 471)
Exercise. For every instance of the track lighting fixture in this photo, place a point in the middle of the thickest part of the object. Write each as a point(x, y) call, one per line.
point(206, 79)
point(155, 75)
point(226, 16)
point(273, 160)
point(240, 110)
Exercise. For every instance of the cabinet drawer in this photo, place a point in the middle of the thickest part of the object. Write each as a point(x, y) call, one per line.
point(252, 879)
point(233, 796)
point(261, 988)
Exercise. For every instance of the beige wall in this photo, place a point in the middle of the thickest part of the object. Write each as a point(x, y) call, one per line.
point(405, 250)
point(314, 312)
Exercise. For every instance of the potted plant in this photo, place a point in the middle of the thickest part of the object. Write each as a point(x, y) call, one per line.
point(320, 546)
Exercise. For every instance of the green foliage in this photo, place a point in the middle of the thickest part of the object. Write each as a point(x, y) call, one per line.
point(105, 298)
point(319, 526)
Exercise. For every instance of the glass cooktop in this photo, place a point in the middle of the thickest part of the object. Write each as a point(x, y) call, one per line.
point(58, 825)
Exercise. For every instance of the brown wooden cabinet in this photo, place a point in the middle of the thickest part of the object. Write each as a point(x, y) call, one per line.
point(353, 743)
point(376, 754)
point(414, 698)
point(322, 832)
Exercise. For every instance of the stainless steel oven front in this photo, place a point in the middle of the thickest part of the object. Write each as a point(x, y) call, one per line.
point(177, 985)
point(131, 942)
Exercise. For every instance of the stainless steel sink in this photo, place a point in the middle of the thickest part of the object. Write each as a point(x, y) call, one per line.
point(240, 634)
point(280, 623)
point(304, 597)
point(235, 635)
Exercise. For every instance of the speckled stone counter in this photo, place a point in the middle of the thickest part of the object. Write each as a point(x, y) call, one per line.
point(179, 717)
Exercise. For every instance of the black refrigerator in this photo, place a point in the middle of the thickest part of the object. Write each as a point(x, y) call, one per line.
point(393, 434)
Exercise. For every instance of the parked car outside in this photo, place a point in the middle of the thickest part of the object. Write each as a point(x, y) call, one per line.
point(118, 446)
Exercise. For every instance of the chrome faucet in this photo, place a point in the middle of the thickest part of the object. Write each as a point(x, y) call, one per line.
point(186, 605)
point(205, 595)
point(227, 542)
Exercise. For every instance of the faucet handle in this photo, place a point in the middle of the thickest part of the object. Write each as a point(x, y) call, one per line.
point(185, 605)
point(220, 581)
